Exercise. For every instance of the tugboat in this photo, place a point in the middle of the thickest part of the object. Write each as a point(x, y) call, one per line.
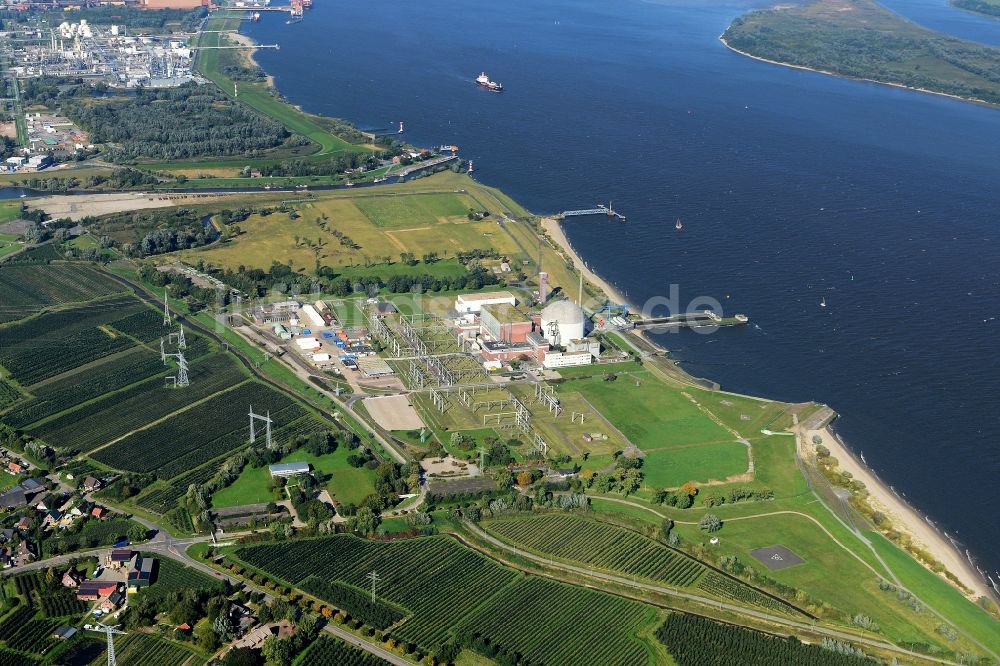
point(492, 86)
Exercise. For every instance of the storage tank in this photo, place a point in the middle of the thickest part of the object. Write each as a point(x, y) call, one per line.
point(562, 321)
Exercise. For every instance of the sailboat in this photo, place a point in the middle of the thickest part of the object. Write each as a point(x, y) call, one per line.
point(822, 303)
point(679, 225)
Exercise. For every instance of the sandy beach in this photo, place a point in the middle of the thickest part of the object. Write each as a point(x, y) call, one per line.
point(554, 230)
point(904, 518)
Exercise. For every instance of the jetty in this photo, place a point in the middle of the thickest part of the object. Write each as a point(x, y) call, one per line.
point(690, 320)
point(600, 210)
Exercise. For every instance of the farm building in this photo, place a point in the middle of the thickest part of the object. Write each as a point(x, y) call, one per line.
point(65, 632)
point(282, 332)
point(465, 303)
point(92, 590)
point(140, 573)
point(119, 558)
point(288, 469)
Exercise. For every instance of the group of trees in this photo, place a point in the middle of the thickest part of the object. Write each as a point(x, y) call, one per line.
point(625, 477)
point(174, 123)
point(682, 498)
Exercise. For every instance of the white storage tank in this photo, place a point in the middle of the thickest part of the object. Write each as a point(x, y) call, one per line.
point(562, 321)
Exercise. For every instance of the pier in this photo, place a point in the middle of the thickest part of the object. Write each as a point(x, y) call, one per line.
point(600, 210)
point(690, 320)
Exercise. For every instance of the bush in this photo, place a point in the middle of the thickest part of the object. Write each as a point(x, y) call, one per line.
point(710, 523)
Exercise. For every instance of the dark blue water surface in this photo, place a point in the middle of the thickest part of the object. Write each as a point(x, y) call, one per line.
point(790, 184)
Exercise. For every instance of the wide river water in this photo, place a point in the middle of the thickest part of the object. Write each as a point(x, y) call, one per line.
point(793, 186)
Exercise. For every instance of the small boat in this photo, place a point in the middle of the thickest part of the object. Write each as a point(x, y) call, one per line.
point(679, 225)
point(294, 19)
point(822, 303)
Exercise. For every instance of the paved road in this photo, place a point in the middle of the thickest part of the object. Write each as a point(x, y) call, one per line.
point(376, 650)
point(784, 621)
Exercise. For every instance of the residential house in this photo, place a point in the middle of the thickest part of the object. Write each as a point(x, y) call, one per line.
point(23, 525)
point(6, 535)
point(15, 467)
point(90, 484)
point(99, 512)
point(113, 602)
point(51, 518)
point(72, 578)
point(25, 553)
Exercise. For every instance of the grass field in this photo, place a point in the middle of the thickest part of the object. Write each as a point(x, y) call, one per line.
point(414, 211)
point(382, 226)
point(348, 485)
point(681, 442)
point(8, 243)
point(10, 210)
point(824, 574)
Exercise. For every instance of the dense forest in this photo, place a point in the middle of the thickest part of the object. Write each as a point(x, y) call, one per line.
point(174, 123)
point(861, 39)
point(695, 641)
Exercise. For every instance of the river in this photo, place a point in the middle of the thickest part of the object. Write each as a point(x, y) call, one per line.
point(793, 186)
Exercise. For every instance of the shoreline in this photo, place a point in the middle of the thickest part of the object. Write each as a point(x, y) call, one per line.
point(553, 227)
point(903, 86)
point(905, 518)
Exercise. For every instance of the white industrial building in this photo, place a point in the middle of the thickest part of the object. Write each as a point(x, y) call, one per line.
point(312, 316)
point(288, 469)
point(557, 359)
point(308, 344)
point(563, 321)
point(465, 303)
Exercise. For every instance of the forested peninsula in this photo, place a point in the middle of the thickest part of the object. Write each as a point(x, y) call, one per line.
point(861, 39)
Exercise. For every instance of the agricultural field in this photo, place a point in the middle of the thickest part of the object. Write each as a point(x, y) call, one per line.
point(357, 603)
point(347, 484)
point(163, 496)
point(430, 577)
point(171, 576)
point(157, 449)
point(111, 374)
point(116, 414)
point(55, 342)
point(550, 623)
point(26, 289)
point(601, 545)
point(696, 641)
point(615, 549)
point(8, 395)
point(329, 651)
point(681, 442)
point(139, 649)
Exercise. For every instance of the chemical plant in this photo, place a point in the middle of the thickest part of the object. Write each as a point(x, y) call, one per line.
point(105, 53)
